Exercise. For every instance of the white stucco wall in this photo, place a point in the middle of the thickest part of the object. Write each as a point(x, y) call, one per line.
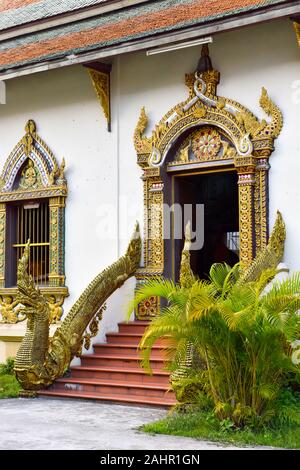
point(101, 166)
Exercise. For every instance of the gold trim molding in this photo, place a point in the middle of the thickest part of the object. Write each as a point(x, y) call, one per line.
point(250, 142)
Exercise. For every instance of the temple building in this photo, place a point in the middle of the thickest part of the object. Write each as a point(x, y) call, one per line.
point(117, 111)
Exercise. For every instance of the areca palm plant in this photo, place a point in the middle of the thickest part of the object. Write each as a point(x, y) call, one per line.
point(231, 337)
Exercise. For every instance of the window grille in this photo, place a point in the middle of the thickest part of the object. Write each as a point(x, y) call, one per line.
point(32, 222)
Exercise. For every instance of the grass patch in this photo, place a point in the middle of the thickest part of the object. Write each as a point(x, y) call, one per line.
point(203, 425)
point(9, 386)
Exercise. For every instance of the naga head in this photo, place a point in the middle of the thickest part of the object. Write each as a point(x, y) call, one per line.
point(28, 294)
point(134, 250)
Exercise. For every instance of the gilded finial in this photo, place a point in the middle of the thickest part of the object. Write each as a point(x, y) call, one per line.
point(30, 127)
point(62, 169)
point(187, 277)
point(204, 64)
point(274, 127)
point(205, 50)
point(28, 139)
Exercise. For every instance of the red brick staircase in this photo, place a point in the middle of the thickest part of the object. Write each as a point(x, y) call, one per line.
point(113, 372)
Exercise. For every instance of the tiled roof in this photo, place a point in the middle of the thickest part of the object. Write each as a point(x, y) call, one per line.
point(118, 27)
point(20, 12)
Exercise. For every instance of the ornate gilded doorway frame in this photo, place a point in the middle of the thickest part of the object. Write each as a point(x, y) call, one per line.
point(247, 145)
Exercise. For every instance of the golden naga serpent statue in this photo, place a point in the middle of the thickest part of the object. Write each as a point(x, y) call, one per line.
point(41, 360)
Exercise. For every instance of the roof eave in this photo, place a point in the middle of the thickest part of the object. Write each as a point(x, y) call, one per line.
point(66, 18)
point(234, 22)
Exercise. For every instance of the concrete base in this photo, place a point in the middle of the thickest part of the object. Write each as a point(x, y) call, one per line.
point(11, 336)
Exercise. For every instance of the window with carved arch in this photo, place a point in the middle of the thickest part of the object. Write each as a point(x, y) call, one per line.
point(32, 207)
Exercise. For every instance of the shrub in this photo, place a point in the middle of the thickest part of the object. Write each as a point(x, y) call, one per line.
point(7, 368)
point(241, 335)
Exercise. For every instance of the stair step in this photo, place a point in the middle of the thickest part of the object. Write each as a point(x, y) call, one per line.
point(115, 387)
point(141, 400)
point(126, 349)
point(133, 327)
point(113, 372)
point(124, 338)
point(134, 374)
point(119, 360)
point(131, 338)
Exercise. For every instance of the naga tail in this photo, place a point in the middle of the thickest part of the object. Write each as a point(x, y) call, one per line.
point(47, 362)
point(270, 256)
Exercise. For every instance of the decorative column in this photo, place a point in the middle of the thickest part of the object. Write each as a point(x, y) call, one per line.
point(57, 241)
point(261, 205)
point(2, 243)
point(153, 238)
point(155, 241)
point(246, 183)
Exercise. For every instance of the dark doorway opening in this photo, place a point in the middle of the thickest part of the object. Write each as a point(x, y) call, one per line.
point(218, 192)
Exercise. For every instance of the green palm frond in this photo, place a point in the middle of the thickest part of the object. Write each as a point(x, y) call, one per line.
point(218, 274)
point(290, 286)
point(156, 287)
point(229, 338)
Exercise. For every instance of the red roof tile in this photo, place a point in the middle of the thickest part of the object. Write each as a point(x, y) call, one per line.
point(147, 19)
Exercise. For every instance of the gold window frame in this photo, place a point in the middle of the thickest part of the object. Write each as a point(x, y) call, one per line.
point(52, 186)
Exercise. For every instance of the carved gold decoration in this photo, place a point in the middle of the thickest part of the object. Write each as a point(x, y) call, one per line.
point(148, 308)
point(31, 148)
point(246, 222)
point(142, 144)
point(274, 127)
point(215, 148)
point(93, 328)
point(186, 278)
point(101, 84)
point(30, 178)
point(270, 256)
point(55, 297)
point(297, 31)
point(61, 173)
point(155, 227)
point(40, 361)
point(55, 307)
point(10, 310)
point(229, 153)
point(233, 118)
point(184, 154)
point(206, 143)
point(57, 242)
point(246, 142)
point(260, 203)
point(32, 172)
point(2, 243)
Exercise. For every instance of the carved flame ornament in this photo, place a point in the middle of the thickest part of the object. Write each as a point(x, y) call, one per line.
point(297, 31)
point(101, 84)
point(219, 132)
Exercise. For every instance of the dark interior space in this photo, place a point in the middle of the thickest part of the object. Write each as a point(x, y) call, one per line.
point(219, 194)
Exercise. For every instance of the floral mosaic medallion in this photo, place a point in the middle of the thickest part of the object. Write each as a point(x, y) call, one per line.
point(206, 143)
point(148, 307)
